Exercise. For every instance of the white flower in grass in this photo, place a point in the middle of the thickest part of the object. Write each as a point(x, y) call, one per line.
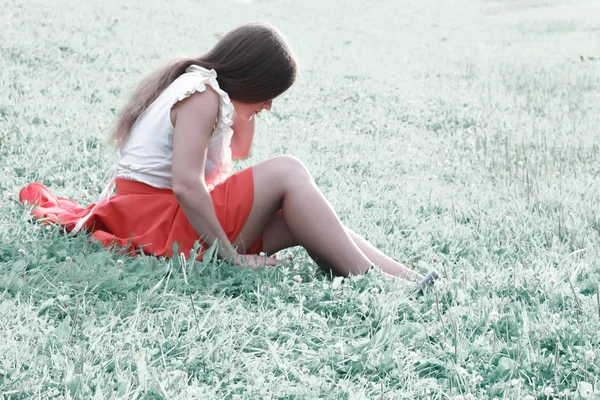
point(193, 392)
point(589, 355)
point(585, 390)
point(297, 278)
point(68, 259)
point(63, 297)
point(9, 196)
point(557, 174)
point(21, 252)
point(120, 262)
point(85, 194)
point(363, 308)
point(494, 316)
point(475, 379)
point(271, 330)
point(548, 391)
point(517, 382)
point(339, 346)
point(283, 366)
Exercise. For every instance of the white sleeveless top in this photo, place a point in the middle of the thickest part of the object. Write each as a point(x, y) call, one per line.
point(146, 155)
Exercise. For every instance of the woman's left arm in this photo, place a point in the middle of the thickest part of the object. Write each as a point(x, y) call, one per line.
point(241, 141)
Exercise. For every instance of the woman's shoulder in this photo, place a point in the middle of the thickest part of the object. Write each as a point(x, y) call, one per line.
point(195, 80)
point(205, 97)
point(190, 102)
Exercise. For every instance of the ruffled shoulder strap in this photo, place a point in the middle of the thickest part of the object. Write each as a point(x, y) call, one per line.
point(207, 77)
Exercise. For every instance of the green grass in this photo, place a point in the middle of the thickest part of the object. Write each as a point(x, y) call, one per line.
point(456, 135)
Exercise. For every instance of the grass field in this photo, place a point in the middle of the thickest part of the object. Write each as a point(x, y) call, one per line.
point(457, 135)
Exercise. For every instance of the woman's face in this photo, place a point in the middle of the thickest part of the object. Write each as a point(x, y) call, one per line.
point(247, 111)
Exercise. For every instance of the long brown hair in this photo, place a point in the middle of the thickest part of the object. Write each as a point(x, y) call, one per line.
point(253, 64)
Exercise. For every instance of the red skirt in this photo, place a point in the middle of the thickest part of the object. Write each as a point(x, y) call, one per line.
point(141, 217)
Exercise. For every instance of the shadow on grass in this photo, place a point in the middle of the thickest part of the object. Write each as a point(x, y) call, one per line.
point(53, 264)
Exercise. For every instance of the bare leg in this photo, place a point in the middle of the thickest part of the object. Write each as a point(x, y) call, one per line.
point(277, 236)
point(377, 257)
point(312, 219)
point(284, 183)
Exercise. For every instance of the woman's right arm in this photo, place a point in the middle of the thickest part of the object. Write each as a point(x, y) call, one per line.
point(193, 119)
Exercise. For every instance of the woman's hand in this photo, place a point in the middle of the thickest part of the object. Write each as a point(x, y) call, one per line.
point(241, 141)
point(255, 260)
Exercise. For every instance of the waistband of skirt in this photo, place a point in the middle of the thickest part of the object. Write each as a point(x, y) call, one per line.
point(127, 186)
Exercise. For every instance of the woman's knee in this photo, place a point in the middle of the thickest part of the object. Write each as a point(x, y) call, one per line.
point(277, 174)
point(290, 167)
